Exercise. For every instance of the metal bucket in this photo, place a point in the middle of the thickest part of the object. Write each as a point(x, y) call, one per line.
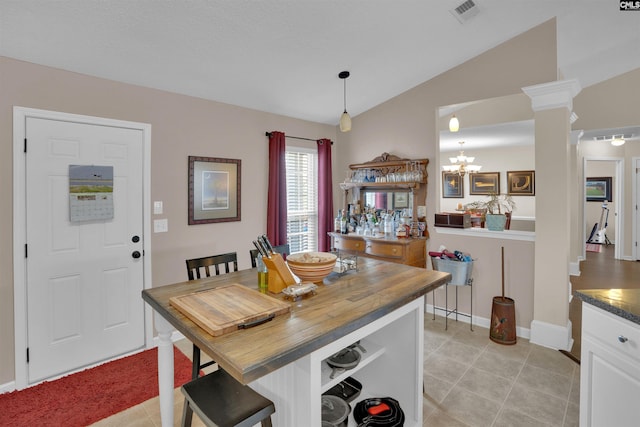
point(503, 321)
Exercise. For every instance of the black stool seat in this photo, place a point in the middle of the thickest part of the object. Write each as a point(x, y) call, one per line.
point(219, 400)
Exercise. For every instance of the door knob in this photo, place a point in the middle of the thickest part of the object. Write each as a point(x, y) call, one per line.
point(622, 339)
point(135, 254)
point(135, 239)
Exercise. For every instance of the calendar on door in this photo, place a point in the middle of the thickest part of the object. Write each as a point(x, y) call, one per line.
point(90, 192)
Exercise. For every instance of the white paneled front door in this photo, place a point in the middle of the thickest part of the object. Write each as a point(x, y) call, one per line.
point(83, 278)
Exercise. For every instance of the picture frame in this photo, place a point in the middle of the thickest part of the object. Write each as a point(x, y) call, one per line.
point(521, 183)
point(452, 185)
point(400, 200)
point(214, 190)
point(598, 189)
point(484, 183)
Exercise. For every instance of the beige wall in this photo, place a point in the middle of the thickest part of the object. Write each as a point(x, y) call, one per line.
point(181, 126)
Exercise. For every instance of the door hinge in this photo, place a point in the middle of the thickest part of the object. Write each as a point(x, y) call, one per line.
point(25, 145)
point(26, 252)
point(27, 354)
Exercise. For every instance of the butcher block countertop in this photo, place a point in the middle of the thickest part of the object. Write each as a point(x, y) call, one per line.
point(341, 305)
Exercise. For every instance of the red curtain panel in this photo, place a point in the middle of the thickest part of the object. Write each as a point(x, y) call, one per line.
point(277, 191)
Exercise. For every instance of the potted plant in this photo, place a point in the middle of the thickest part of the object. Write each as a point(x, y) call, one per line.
point(495, 210)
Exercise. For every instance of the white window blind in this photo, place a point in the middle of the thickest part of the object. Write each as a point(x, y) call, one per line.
point(302, 199)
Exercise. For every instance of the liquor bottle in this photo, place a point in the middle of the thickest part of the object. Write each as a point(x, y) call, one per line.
point(337, 227)
point(344, 224)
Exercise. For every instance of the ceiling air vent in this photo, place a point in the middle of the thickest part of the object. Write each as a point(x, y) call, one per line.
point(465, 11)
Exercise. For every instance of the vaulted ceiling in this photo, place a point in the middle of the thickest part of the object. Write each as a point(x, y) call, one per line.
point(284, 56)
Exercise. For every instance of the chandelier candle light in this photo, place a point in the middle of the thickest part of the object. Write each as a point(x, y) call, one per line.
point(461, 163)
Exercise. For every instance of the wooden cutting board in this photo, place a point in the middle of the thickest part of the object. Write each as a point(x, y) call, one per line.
point(228, 308)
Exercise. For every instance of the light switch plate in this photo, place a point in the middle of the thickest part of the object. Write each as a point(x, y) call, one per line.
point(157, 208)
point(160, 225)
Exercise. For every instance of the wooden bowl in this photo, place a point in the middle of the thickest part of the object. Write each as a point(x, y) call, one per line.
point(311, 266)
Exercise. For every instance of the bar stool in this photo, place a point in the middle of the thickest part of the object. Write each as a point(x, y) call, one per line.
point(221, 401)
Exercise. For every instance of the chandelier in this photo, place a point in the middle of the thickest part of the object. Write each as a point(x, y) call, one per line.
point(461, 164)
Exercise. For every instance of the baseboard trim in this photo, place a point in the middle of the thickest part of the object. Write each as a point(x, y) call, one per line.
point(482, 322)
point(551, 336)
point(574, 268)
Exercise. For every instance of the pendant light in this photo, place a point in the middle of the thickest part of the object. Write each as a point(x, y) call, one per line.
point(454, 124)
point(345, 119)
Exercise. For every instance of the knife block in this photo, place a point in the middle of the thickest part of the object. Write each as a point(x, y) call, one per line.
point(279, 276)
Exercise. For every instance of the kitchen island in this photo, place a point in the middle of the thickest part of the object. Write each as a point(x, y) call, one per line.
point(610, 357)
point(381, 305)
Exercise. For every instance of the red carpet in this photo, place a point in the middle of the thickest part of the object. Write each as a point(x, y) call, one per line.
point(85, 397)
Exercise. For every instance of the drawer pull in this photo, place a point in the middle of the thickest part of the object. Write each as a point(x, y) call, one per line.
point(622, 339)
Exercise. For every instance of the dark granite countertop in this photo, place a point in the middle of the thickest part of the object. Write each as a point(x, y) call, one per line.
point(621, 302)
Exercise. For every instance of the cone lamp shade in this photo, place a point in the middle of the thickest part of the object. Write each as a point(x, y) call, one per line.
point(345, 122)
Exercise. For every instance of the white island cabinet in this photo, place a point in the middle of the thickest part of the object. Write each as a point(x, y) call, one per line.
point(391, 366)
point(609, 370)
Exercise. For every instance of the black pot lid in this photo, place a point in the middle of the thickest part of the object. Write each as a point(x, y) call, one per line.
point(334, 409)
point(346, 358)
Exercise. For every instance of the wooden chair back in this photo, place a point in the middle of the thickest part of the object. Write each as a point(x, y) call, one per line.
point(210, 263)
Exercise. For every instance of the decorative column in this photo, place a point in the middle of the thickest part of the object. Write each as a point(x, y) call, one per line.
point(552, 104)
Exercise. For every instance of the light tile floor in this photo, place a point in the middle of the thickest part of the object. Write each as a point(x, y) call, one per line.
point(469, 381)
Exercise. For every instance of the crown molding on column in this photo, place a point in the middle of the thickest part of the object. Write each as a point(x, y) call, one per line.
point(552, 95)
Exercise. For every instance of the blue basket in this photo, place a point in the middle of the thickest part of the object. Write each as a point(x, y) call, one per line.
point(460, 270)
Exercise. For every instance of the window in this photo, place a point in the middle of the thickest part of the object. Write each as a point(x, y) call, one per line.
point(302, 199)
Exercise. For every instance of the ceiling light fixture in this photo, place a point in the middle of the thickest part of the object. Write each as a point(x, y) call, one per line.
point(454, 124)
point(345, 119)
point(617, 140)
point(461, 163)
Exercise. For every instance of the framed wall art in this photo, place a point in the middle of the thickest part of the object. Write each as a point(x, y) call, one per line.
point(598, 189)
point(521, 183)
point(452, 185)
point(400, 200)
point(214, 190)
point(484, 183)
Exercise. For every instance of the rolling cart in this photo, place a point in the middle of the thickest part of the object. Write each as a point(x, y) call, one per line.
point(460, 276)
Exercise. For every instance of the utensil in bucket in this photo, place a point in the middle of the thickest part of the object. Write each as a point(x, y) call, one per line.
point(503, 317)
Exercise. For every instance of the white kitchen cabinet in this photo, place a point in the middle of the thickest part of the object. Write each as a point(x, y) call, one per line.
point(609, 370)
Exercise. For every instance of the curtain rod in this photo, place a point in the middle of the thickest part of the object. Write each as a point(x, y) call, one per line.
point(295, 137)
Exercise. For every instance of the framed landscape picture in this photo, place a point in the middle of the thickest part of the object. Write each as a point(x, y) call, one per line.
point(452, 185)
point(598, 189)
point(484, 183)
point(521, 183)
point(214, 190)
